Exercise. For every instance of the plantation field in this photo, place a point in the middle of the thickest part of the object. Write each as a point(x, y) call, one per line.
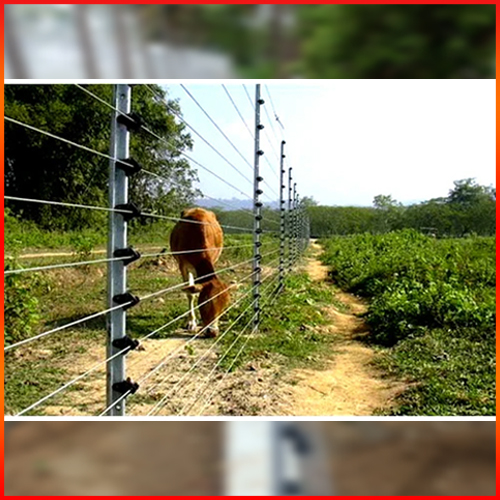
point(431, 312)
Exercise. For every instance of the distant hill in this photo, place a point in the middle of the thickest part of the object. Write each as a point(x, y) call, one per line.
point(233, 203)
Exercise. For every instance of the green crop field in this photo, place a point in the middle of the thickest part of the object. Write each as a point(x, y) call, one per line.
point(432, 312)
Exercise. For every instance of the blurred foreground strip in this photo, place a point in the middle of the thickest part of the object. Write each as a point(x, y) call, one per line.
point(212, 458)
point(249, 41)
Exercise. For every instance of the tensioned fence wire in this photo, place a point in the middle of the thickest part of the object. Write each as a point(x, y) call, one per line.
point(163, 253)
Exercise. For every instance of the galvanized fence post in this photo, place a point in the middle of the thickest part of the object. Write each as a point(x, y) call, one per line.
point(302, 227)
point(117, 239)
point(257, 210)
point(294, 224)
point(282, 218)
point(276, 459)
point(289, 224)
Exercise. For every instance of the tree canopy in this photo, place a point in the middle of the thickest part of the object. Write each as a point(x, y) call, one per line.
point(41, 167)
point(398, 41)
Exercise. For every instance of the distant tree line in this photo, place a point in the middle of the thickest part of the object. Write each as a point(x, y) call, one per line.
point(469, 208)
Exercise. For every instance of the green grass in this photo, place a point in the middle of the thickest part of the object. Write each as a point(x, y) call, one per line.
point(432, 306)
point(454, 373)
point(63, 295)
point(287, 333)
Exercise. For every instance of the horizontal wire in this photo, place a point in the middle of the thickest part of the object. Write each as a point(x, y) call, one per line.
point(92, 316)
point(207, 378)
point(171, 354)
point(271, 123)
point(215, 125)
point(179, 317)
point(71, 382)
point(180, 117)
point(203, 356)
point(67, 325)
point(183, 252)
point(219, 338)
point(64, 204)
point(101, 100)
point(246, 211)
point(31, 256)
point(179, 219)
point(197, 335)
point(67, 264)
point(114, 403)
point(196, 162)
point(143, 214)
point(62, 139)
point(207, 400)
point(272, 105)
point(238, 111)
point(268, 161)
point(249, 98)
point(99, 261)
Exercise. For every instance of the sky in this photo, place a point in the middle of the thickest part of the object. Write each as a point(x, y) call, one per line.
point(347, 140)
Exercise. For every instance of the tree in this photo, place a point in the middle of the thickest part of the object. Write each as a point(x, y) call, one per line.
point(388, 213)
point(308, 201)
point(41, 167)
point(398, 41)
point(467, 193)
point(384, 202)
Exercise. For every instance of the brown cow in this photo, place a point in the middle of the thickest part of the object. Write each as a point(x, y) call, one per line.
point(197, 268)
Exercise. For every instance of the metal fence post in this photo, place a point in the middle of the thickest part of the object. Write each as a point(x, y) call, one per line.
point(294, 224)
point(257, 209)
point(276, 459)
point(289, 225)
point(301, 229)
point(13, 49)
point(282, 218)
point(298, 226)
point(117, 239)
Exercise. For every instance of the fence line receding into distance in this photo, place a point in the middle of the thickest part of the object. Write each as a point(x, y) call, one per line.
point(266, 281)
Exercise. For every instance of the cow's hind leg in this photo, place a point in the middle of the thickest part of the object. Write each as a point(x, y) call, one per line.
point(192, 325)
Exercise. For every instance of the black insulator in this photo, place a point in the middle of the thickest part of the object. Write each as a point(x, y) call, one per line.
point(126, 298)
point(134, 210)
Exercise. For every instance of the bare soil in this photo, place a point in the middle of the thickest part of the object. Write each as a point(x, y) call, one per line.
point(180, 381)
point(350, 385)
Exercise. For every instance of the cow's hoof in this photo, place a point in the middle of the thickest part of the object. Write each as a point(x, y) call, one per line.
point(211, 333)
point(191, 326)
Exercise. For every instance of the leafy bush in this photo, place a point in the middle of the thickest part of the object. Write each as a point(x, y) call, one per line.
point(21, 307)
point(433, 303)
point(83, 244)
point(417, 282)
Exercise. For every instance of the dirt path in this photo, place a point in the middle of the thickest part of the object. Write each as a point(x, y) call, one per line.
point(350, 385)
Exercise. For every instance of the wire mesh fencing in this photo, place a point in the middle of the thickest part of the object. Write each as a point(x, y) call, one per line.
point(152, 365)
